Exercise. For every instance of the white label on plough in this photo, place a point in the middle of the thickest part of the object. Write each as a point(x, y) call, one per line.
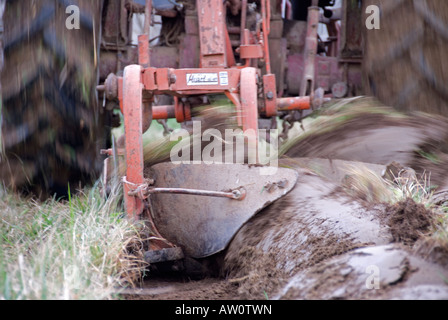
point(202, 79)
point(224, 78)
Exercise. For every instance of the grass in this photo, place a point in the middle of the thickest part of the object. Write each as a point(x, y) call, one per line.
point(369, 186)
point(363, 183)
point(82, 248)
point(85, 248)
point(440, 235)
point(335, 116)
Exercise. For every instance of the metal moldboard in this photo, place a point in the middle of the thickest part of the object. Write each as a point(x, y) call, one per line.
point(203, 225)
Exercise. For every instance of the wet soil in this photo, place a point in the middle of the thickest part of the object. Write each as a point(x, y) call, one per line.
point(319, 242)
point(418, 141)
point(174, 287)
point(408, 221)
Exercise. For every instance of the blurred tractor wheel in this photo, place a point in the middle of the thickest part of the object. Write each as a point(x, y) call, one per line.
point(52, 125)
point(406, 60)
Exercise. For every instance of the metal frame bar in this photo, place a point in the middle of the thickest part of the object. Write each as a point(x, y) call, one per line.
point(217, 74)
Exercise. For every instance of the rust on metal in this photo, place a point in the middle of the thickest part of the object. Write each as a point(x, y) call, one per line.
point(265, 13)
point(251, 51)
point(132, 112)
point(270, 95)
point(243, 20)
point(249, 105)
point(293, 103)
point(211, 16)
point(143, 50)
point(148, 19)
point(178, 110)
point(307, 84)
point(163, 112)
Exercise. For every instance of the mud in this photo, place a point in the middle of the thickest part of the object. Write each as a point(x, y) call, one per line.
point(375, 139)
point(400, 275)
point(311, 224)
point(408, 221)
point(319, 242)
point(181, 288)
point(322, 244)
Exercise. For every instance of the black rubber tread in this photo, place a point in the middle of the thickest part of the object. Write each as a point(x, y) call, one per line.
point(405, 63)
point(52, 125)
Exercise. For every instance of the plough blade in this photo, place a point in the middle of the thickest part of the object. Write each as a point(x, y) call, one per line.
point(204, 225)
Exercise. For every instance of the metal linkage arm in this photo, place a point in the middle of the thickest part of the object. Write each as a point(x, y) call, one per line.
point(236, 194)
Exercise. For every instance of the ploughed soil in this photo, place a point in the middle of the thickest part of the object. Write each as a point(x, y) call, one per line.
point(321, 242)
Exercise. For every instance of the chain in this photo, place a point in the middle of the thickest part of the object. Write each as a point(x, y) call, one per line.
point(139, 190)
point(288, 123)
point(286, 126)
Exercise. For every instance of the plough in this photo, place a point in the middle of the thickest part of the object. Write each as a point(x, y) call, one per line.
point(195, 210)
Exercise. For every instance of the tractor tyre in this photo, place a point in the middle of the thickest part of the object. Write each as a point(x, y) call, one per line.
point(406, 60)
point(52, 124)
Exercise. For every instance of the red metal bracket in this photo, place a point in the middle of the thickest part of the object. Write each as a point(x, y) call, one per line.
point(132, 111)
point(270, 95)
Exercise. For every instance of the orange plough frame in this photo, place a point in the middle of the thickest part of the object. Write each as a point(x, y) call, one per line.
point(252, 94)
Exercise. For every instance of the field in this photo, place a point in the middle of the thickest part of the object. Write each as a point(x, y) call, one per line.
point(345, 214)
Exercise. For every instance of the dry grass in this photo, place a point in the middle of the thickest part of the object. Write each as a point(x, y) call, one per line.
point(83, 248)
point(335, 116)
point(79, 249)
point(367, 185)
